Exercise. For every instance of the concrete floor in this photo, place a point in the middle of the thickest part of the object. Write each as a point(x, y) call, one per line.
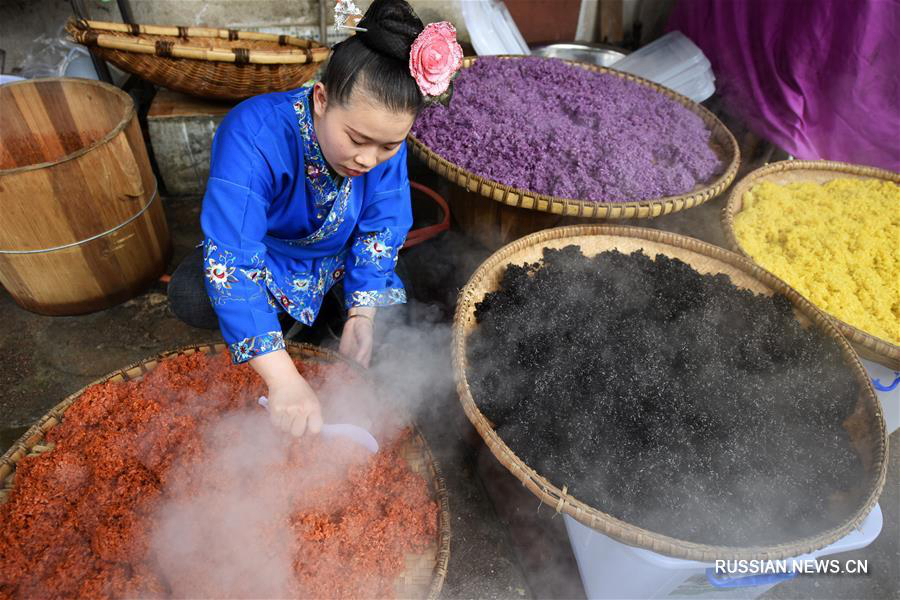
point(503, 545)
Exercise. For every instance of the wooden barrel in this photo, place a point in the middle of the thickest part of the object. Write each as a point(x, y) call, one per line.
point(82, 227)
point(494, 224)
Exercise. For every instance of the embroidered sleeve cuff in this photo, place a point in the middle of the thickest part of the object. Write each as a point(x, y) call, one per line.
point(386, 297)
point(244, 350)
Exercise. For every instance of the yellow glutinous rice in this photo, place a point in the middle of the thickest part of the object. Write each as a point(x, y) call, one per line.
point(837, 243)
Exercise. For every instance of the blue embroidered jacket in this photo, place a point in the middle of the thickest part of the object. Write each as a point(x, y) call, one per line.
point(280, 231)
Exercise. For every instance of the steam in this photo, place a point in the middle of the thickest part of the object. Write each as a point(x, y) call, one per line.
point(223, 529)
point(412, 363)
point(714, 435)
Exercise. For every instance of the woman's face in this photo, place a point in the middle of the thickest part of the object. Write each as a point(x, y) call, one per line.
point(359, 135)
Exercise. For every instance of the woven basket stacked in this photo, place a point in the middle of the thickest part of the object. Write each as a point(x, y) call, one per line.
point(865, 426)
point(224, 64)
point(423, 574)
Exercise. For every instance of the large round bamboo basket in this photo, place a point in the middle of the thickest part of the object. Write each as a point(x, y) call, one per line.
point(815, 171)
point(82, 225)
point(496, 214)
point(865, 425)
point(226, 64)
point(424, 573)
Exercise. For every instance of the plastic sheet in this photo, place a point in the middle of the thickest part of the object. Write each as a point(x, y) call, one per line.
point(49, 56)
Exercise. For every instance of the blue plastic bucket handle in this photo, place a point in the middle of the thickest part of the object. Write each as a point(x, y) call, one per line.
point(876, 383)
point(748, 581)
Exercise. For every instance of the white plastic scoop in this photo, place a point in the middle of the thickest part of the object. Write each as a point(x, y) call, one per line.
point(352, 432)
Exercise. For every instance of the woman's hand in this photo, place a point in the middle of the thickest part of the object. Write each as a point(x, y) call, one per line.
point(293, 405)
point(358, 336)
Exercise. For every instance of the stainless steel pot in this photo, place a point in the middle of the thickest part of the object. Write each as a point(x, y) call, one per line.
point(596, 54)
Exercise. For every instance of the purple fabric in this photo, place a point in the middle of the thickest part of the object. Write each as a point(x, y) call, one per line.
point(819, 78)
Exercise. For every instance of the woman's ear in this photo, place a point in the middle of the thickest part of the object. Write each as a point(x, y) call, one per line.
point(320, 99)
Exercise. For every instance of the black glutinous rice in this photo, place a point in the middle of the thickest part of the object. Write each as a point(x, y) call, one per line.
point(672, 400)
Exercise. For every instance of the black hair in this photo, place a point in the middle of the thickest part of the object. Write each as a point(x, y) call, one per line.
point(378, 58)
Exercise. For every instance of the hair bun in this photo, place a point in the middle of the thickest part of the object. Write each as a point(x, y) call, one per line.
point(391, 28)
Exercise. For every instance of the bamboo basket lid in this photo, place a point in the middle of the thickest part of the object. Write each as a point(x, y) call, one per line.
point(865, 426)
point(227, 64)
point(815, 171)
point(723, 143)
point(424, 573)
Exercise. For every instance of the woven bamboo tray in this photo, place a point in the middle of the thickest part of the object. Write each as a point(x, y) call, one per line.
point(815, 171)
point(225, 64)
point(723, 143)
point(865, 425)
point(424, 573)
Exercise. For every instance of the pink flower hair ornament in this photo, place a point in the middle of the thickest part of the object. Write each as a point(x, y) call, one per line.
point(435, 56)
point(434, 60)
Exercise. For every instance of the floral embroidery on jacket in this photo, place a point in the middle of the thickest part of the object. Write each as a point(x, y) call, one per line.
point(244, 350)
point(377, 298)
point(259, 275)
point(375, 245)
point(307, 290)
point(327, 195)
point(375, 248)
point(301, 283)
point(219, 269)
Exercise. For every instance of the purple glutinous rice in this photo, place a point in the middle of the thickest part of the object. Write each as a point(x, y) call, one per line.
point(552, 128)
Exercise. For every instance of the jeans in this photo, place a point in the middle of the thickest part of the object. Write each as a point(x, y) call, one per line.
point(187, 293)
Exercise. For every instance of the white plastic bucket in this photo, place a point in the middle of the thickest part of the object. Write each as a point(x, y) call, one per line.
point(698, 89)
point(78, 63)
point(886, 383)
point(492, 29)
point(665, 59)
point(610, 569)
point(681, 80)
point(10, 78)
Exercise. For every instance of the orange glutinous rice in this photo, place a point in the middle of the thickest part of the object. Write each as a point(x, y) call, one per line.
point(81, 518)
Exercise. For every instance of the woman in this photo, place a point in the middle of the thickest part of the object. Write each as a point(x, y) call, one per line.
point(308, 188)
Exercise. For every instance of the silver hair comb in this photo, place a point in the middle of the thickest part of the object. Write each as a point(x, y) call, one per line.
point(344, 10)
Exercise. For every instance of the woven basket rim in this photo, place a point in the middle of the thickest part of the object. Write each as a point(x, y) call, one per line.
point(36, 432)
point(127, 101)
point(314, 53)
point(515, 196)
point(872, 346)
point(607, 524)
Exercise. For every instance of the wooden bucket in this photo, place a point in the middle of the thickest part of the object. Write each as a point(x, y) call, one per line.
point(82, 228)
